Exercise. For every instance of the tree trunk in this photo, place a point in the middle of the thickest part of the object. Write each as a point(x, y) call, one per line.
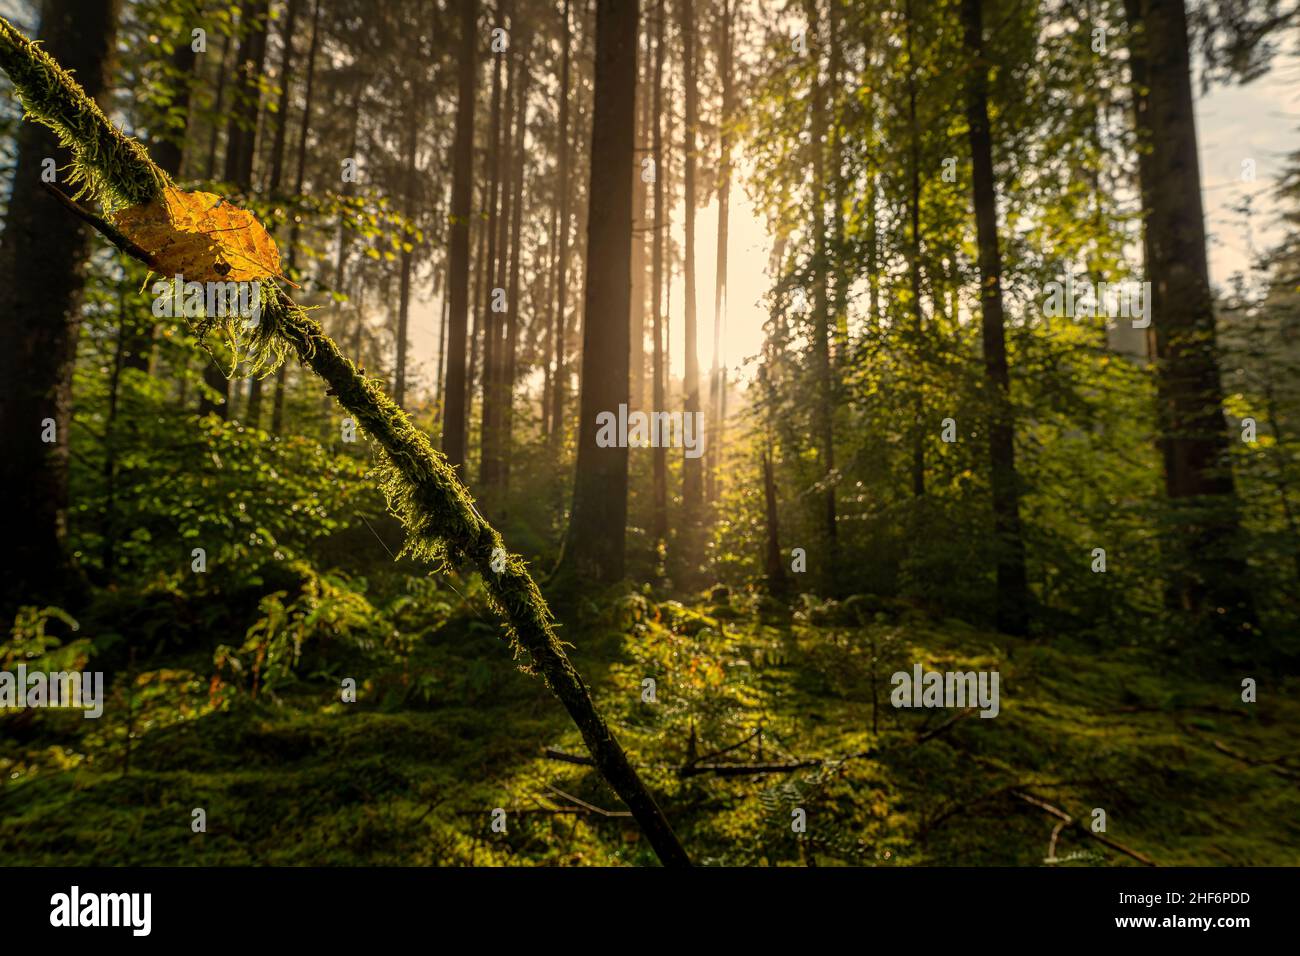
point(313, 47)
point(717, 378)
point(454, 425)
point(1012, 584)
point(692, 468)
point(498, 137)
point(169, 139)
point(914, 261)
point(42, 257)
point(1205, 569)
point(282, 111)
point(559, 385)
point(598, 522)
point(223, 71)
point(507, 384)
point(408, 209)
point(241, 130)
point(774, 565)
point(824, 420)
point(659, 521)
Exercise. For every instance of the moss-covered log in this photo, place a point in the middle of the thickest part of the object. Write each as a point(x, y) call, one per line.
point(441, 521)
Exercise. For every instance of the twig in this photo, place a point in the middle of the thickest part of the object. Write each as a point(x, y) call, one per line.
point(104, 227)
point(1257, 762)
point(1069, 821)
point(583, 803)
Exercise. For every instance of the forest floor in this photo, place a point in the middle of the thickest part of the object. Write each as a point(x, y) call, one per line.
point(410, 774)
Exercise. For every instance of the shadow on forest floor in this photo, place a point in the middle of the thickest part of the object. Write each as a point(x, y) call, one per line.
point(1185, 772)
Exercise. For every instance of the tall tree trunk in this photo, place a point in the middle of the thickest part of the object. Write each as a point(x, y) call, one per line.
point(914, 259)
point(692, 468)
point(498, 197)
point(42, 257)
point(559, 385)
point(717, 378)
point(1206, 571)
point(454, 426)
point(824, 421)
point(137, 331)
point(598, 522)
point(241, 130)
point(507, 384)
point(313, 47)
point(1012, 584)
point(218, 104)
point(659, 520)
point(639, 237)
point(408, 210)
point(282, 105)
point(773, 564)
point(276, 174)
point(241, 141)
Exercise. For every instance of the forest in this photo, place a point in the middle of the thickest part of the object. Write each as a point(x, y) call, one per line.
point(605, 433)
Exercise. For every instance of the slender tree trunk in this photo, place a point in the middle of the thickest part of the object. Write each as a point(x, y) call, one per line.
point(507, 386)
point(824, 413)
point(218, 104)
point(914, 260)
point(499, 139)
point(598, 523)
point(639, 237)
point(138, 331)
point(1012, 583)
point(717, 378)
point(559, 385)
point(241, 141)
point(43, 253)
point(241, 130)
point(313, 47)
point(659, 521)
point(408, 210)
point(454, 427)
point(1205, 568)
point(692, 468)
point(286, 84)
point(774, 565)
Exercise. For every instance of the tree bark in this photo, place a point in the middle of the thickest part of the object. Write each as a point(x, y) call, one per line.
point(659, 519)
point(508, 365)
point(43, 253)
point(718, 376)
point(313, 47)
point(559, 385)
point(454, 425)
point(690, 532)
point(1205, 569)
point(1012, 583)
point(598, 523)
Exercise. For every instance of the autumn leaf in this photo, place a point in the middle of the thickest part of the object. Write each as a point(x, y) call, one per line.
point(202, 237)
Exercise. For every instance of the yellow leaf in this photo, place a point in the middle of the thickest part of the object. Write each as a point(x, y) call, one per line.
point(201, 237)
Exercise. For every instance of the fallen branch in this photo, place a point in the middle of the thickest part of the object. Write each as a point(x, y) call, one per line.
point(1257, 762)
point(745, 769)
point(1070, 822)
point(437, 511)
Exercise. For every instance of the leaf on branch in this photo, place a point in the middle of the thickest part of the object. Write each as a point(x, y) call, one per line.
point(202, 237)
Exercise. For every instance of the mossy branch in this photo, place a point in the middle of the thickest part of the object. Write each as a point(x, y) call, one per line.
point(435, 507)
